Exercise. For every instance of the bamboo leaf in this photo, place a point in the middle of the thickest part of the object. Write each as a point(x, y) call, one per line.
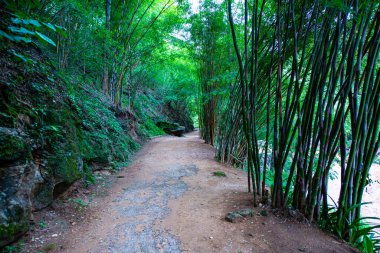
point(20, 30)
point(4, 34)
point(45, 38)
point(16, 21)
point(32, 22)
point(367, 245)
point(50, 26)
point(22, 39)
point(21, 56)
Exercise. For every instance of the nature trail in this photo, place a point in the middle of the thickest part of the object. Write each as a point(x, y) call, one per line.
point(168, 200)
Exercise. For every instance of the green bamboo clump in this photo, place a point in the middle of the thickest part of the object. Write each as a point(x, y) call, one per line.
point(308, 93)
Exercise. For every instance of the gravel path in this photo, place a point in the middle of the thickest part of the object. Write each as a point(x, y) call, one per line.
point(143, 203)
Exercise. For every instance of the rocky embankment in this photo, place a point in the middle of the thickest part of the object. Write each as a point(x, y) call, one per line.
point(54, 132)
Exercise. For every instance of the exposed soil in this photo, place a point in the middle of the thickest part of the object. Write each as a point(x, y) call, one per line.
point(168, 200)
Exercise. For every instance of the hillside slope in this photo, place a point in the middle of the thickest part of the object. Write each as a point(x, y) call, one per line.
point(54, 132)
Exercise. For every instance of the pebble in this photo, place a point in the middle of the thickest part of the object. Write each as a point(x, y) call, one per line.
point(54, 235)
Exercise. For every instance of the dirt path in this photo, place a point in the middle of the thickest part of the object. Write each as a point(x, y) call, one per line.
point(167, 200)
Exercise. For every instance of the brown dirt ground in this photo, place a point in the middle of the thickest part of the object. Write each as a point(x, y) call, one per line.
point(195, 219)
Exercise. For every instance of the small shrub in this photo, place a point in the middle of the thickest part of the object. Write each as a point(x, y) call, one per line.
point(42, 224)
point(10, 249)
point(88, 177)
point(15, 248)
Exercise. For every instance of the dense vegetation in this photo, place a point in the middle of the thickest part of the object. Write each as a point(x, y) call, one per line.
point(284, 89)
point(305, 94)
point(79, 92)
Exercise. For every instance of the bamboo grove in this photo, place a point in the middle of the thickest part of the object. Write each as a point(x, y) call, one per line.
point(140, 17)
point(306, 96)
point(208, 32)
point(110, 38)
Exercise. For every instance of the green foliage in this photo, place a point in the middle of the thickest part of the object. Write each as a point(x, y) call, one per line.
point(359, 232)
point(145, 107)
point(212, 54)
point(12, 147)
point(11, 230)
point(42, 224)
point(111, 140)
point(89, 178)
point(55, 54)
point(28, 31)
point(144, 62)
point(10, 249)
point(14, 248)
point(149, 128)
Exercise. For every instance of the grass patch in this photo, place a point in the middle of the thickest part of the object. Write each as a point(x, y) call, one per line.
point(80, 203)
point(219, 173)
point(49, 247)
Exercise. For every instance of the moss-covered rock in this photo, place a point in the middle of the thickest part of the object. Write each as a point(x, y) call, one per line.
point(50, 130)
point(16, 184)
point(12, 231)
point(12, 145)
point(172, 128)
point(41, 195)
point(178, 112)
